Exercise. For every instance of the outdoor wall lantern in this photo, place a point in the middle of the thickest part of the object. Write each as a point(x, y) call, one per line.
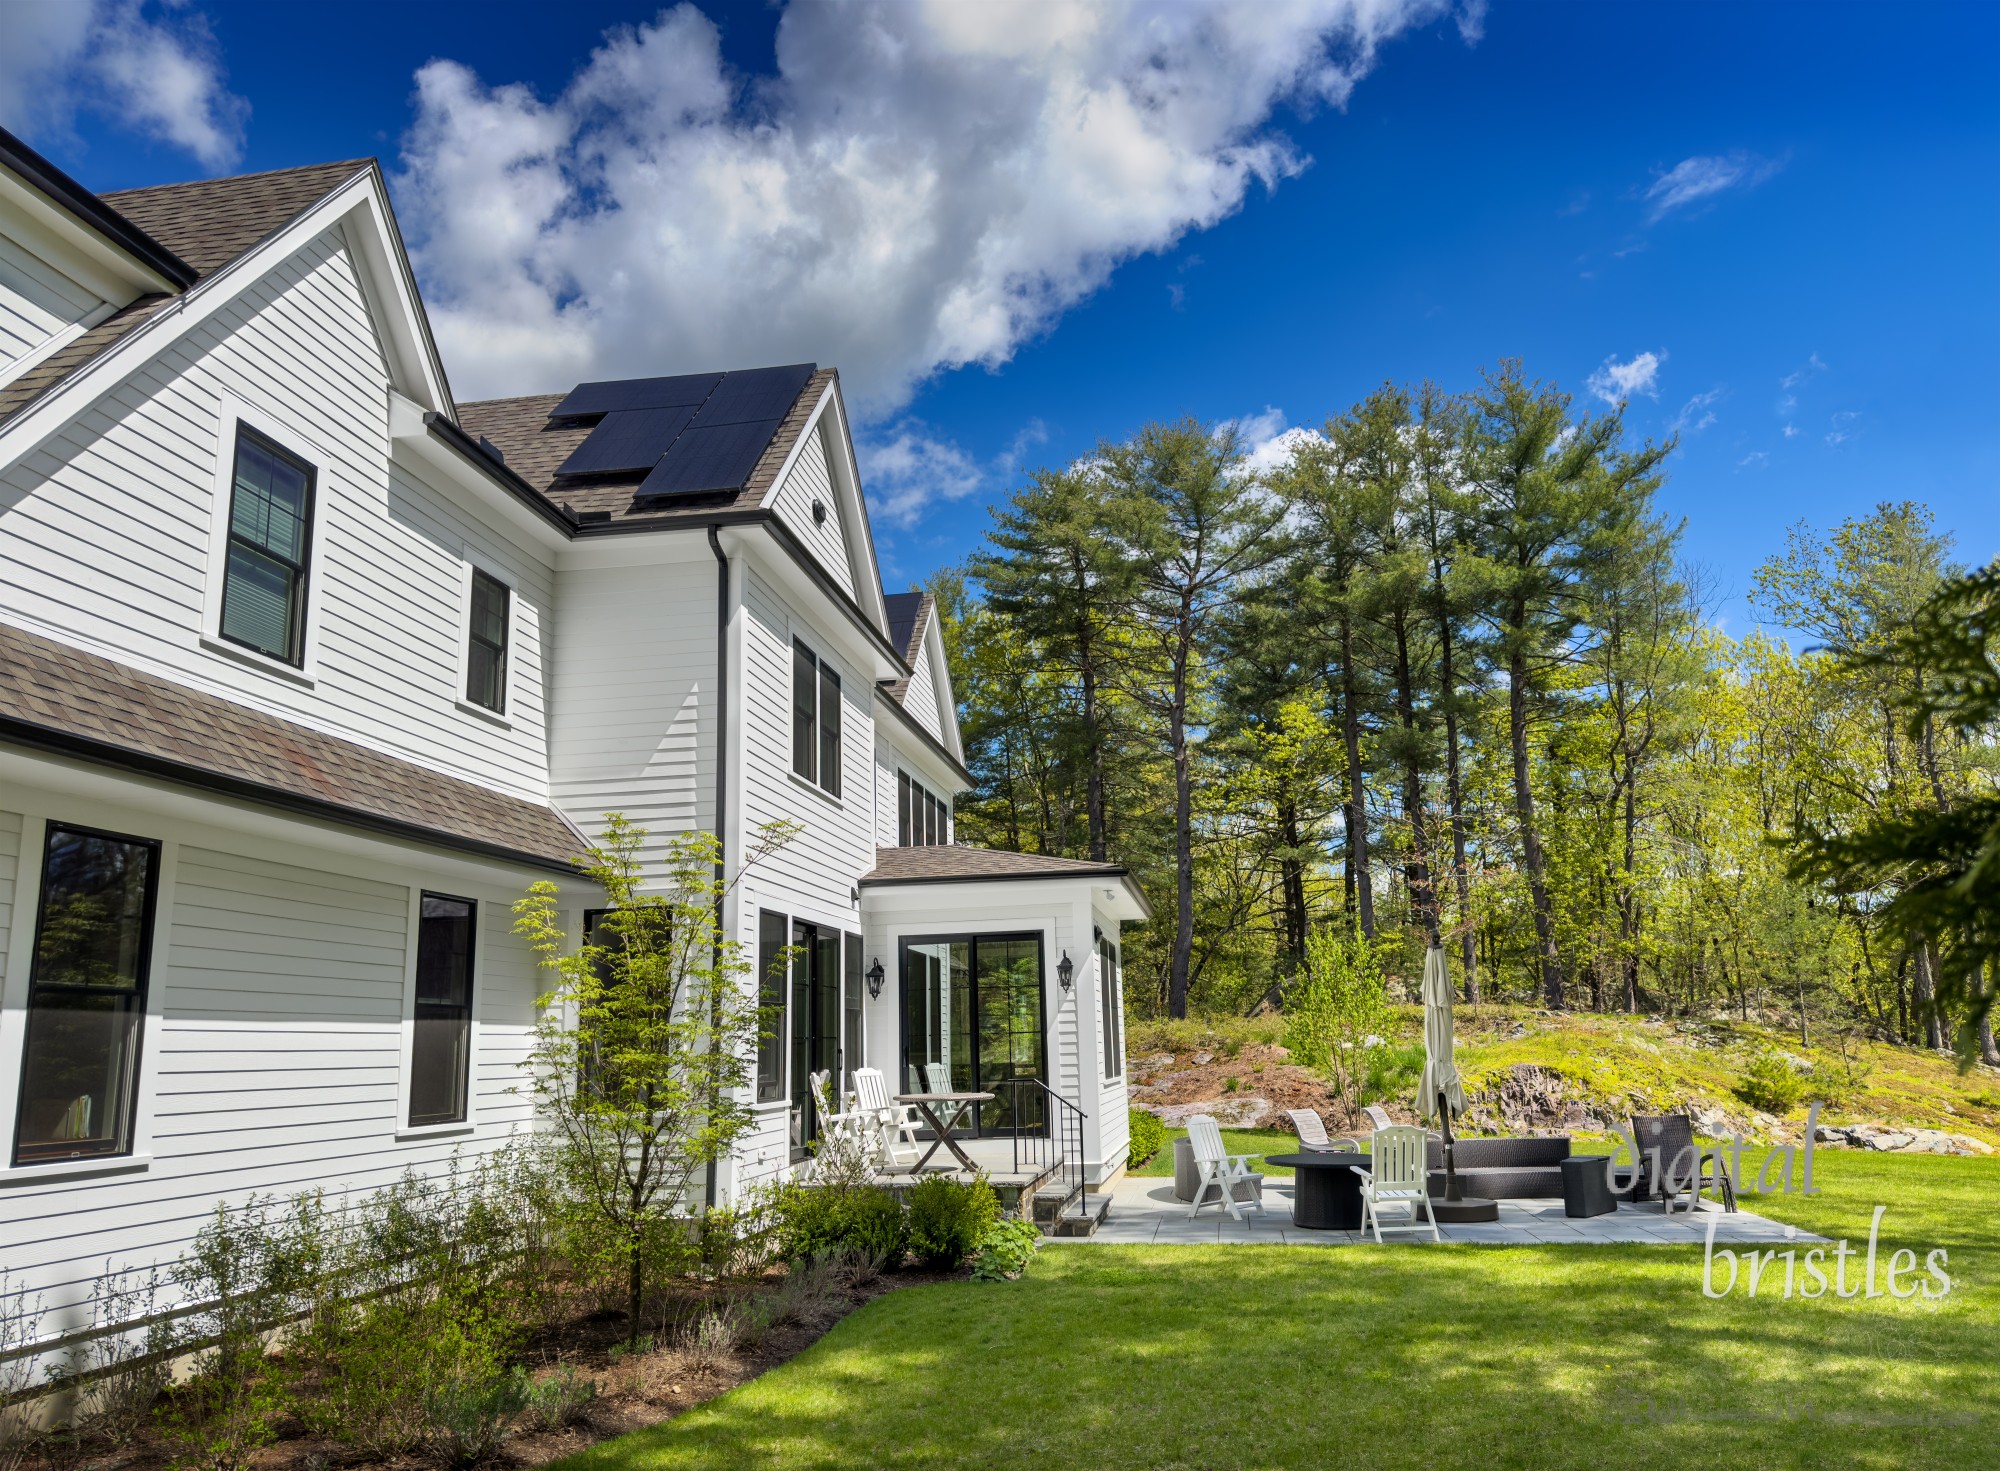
point(1066, 973)
point(875, 980)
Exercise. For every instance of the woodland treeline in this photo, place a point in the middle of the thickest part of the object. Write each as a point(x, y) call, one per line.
point(1443, 672)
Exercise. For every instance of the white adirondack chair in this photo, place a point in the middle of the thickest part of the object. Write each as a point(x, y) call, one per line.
point(894, 1124)
point(1399, 1179)
point(937, 1077)
point(1312, 1133)
point(846, 1138)
point(1217, 1169)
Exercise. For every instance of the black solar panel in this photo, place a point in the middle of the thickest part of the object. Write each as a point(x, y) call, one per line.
point(718, 457)
point(627, 440)
point(686, 391)
point(753, 393)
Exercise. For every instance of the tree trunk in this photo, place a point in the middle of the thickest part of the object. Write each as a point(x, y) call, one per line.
point(1628, 905)
point(1988, 1052)
point(1924, 999)
point(1454, 799)
point(1531, 841)
point(1292, 884)
point(1417, 873)
point(1177, 981)
point(1356, 811)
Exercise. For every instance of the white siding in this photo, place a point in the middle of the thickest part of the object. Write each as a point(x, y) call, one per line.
point(793, 501)
point(278, 1054)
point(888, 815)
point(921, 699)
point(36, 301)
point(634, 696)
point(105, 532)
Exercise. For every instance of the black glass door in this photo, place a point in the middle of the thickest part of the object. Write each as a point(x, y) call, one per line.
point(973, 1021)
point(815, 1016)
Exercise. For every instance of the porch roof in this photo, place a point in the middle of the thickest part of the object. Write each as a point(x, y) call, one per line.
point(949, 864)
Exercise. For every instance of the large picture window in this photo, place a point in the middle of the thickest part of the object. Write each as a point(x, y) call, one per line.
point(923, 819)
point(270, 523)
point(441, 1049)
point(815, 719)
point(486, 644)
point(86, 996)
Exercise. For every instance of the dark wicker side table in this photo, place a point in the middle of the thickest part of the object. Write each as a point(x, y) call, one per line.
point(1586, 1192)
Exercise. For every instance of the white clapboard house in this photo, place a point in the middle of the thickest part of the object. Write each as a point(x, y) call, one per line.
point(307, 671)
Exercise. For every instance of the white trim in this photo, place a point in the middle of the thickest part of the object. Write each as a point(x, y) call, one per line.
point(406, 1042)
point(289, 435)
point(56, 342)
point(76, 249)
point(471, 559)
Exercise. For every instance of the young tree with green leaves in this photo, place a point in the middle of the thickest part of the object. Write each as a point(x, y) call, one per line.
point(642, 1053)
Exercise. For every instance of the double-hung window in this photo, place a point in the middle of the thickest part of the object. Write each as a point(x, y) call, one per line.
point(441, 1046)
point(922, 818)
point(86, 996)
point(815, 719)
point(1114, 1009)
point(486, 643)
point(270, 534)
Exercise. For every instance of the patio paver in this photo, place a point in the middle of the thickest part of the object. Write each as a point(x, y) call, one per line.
point(1145, 1213)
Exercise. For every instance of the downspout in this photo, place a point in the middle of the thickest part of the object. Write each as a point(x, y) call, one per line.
point(721, 777)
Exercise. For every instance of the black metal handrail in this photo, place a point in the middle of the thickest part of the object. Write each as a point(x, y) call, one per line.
point(1053, 1141)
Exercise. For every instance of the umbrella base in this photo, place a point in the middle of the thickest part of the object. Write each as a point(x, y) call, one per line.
point(1464, 1212)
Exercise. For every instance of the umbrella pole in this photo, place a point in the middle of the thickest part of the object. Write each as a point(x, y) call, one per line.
point(1453, 1191)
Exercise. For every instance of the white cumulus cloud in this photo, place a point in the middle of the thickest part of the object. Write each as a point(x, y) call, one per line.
point(1704, 176)
point(154, 69)
point(1615, 382)
point(1265, 440)
point(922, 184)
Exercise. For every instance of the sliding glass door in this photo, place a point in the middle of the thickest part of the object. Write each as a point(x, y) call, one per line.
point(823, 1013)
point(973, 1019)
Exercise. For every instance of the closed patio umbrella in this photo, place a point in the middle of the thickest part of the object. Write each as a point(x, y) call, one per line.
point(1440, 1070)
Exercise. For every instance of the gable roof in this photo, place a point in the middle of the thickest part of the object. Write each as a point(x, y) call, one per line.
point(66, 194)
point(59, 697)
point(909, 619)
point(533, 444)
point(206, 225)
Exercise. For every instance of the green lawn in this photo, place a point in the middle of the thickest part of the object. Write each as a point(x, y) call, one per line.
point(1408, 1355)
point(1236, 1141)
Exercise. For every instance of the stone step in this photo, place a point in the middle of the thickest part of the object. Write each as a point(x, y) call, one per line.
point(1081, 1219)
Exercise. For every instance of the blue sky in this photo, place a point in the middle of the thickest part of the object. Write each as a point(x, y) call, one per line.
point(1773, 227)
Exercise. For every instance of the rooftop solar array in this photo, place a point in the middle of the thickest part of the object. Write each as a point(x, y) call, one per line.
point(700, 432)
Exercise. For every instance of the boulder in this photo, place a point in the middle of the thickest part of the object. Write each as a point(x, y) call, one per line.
point(1245, 1111)
point(1154, 1062)
point(1201, 1059)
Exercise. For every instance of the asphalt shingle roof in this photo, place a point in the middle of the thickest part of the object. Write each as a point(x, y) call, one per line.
point(942, 862)
point(56, 695)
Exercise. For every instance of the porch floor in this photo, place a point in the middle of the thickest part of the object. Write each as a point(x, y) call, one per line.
point(994, 1158)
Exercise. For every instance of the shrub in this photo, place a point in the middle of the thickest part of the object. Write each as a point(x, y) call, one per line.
point(1337, 1010)
point(817, 1221)
point(467, 1416)
point(1771, 1084)
point(1005, 1250)
point(1393, 1072)
point(948, 1218)
point(809, 1220)
point(1146, 1137)
point(875, 1224)
point(560, 1399)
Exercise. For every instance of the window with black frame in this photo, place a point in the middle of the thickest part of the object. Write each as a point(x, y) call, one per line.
point(816, 711)
point(441, 1046)
point(270, 533)
point(486, 647)
point(773, 932)
point(86, 996)
point(1113, 1008)
point(923, 819)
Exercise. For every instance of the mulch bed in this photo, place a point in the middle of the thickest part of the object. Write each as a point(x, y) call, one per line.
point(633, 1392)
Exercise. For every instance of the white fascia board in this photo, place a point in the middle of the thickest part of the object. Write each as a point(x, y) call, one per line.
point(69, 245)
point(805, 595)
point(854, 526)
point(1116, 897)
point(207, 297)
point(412, 444)
point(383, 265)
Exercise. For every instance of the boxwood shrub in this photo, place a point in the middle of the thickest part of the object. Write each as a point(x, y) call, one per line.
point(1148, 1136)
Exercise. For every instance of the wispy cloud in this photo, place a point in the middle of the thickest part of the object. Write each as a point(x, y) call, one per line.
point(1697, 413)
point(1703, 177)
point(1755, 457)
point(1812, 367)
point(908, 469)
point(1843, 429)
point(1615, 382)
point(158, 74)
point(1791, 431)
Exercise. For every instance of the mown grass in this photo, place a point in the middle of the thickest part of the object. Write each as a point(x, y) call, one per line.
point(1408, 1355)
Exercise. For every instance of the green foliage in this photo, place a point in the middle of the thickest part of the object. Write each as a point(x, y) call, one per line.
point(1771, 1083)
point(948, 1218)
point(1393, 1071)
point(643, 1048)
point(1146, 1136)
point(468, 1413)
point(1005, 1250)
point(1337, 1011)
point(819, 1221)
point(562, 1397)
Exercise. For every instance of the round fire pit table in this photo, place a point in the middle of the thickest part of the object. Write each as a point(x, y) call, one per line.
point(1326, 1193)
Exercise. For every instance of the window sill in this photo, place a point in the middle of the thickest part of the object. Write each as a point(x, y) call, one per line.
point(263, 663)
point(817, 790)
point(491, 717)
point(434, 1131)
point(74, 1169)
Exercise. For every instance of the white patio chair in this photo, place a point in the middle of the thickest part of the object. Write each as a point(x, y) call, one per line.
point(937, 1077)
point(846, 1138)
point(1398, 1178)
point(894, 1123)
point(1312, 1133)
point(1379, 1116)
point(1217, 1169)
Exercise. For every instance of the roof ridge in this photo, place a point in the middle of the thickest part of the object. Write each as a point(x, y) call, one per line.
point(356, 164)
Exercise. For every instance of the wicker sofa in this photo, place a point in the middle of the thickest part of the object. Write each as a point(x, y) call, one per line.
point(1503, 1169)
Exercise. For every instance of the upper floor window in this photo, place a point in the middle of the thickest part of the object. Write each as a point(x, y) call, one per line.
point(86, 996)
point(270, 532)
point(815, 719)
point(486, 648)
point(923, 819)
